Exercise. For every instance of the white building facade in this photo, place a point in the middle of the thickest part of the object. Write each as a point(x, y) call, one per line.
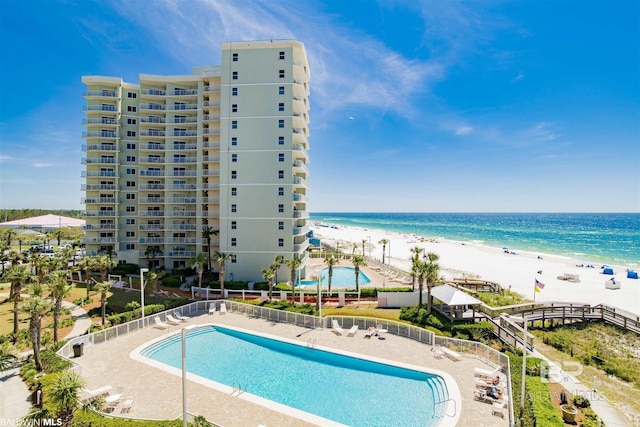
point(224, 148)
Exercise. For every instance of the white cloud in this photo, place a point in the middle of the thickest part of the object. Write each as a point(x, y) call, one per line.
point(463, 130)
point(43, 165)
point(517, 78)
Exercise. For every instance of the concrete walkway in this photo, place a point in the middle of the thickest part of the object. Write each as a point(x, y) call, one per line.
point(609, 415)
point(15, 398)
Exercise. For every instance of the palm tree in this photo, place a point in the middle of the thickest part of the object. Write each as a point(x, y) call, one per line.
point(364, 242)
point(19, 276)
point(103, 289)
point(198, 262)
point(416, 251)
point(331, 261)
point(87, 265)
point(36, 306)
point(421, 272)
point(277, 263)
point(48, 265)
point(151, 253)
point(207, 232)
point(318, 280)
point(153, 277)
point(66, 254)
point(222, 258)
point(63, 396)
point(267, 274)
point(14, 257)
point(358, 261)
point(9, 234)
point(293, 264)
point(384, 243)
point(59, 289)
point(104, 263)
point(8, 357)
point(433, 270)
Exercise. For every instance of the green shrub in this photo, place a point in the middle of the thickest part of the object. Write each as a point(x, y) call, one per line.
point(132, 305)
point(171, 281)
point(544, 412)
point(580, 401)
point(127, 316)
point(124, 269)
point(590, 418)
point(91, 419)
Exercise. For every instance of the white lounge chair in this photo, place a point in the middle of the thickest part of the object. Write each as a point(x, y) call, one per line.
point(352, 332)
point(212, 308)
point(172, 320)
point(223, 308)
point(498, 407)
point(370, 332)
point(95, 393)
point(337, 329)
point(127, 405)
point(479, 372)
point(159, 324)
point(180, 316)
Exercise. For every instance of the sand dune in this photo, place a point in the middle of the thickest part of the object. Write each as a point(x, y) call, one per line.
point(515, 271)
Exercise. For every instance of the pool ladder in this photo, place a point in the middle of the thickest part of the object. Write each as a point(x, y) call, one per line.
point(311, 343)
point(237, 390)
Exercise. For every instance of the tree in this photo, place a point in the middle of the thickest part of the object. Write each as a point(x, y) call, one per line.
point(63, 396)
point(8, 357)
point(103, 288)
point(277, 263)
point(384, 243)
point(36, 307)
point(207, 232)
point(151, 253)
point(198, 262)
point(421, 272)
point(364, 242)
point(318, 280)
point(416, 251)
point(358, 261)
point(104, 263)
point(433, 271)
point(267, 274)
point(331, 261)
point(58, 234)
point(222, 258)
point(153, 277)
point(19, 276)
point(9, 234)
point(87, 265)
point(14, 257)
point(65, 254)
point(59, 288)
point(293, 264)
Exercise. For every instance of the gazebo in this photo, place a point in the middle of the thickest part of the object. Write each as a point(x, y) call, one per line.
point(44, 223)
point(454, 302)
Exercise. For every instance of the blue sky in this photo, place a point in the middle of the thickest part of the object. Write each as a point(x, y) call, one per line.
point(429, 106)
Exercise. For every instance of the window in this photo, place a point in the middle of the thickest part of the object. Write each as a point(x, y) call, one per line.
point(281, 140)
point(281, 106)
point(280, 208)
point(281, 174)
point(234, 241)
point(234, 158)
point(281, 55)
point(234, 191)
point(131, 184)
point(131, 221)
point(131, 158)
point(234, 57)
point(234, 208)
point(234, 225)
point(234, 124)
point(131, 171)
point(234, 75)
point(234, 259)
point(280, 191)
point(234, 174)
point(131, 121)
point(131, 146)
point(132, 95)
point(131, 133)
point(131, 234)
point(280, 225)
point(130, 246)
point(131, 196)
point(281, 242)
point(234, 140)
point(281, 74)
point(132, 108)
point(234, 108)
point(130, 209)
point(281, 90)
point(281, 157)
point(234, 91)
point(281, 124)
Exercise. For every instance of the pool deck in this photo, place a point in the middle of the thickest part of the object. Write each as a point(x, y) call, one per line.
point(158, 394)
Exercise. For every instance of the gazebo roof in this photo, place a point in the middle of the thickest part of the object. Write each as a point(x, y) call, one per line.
point(45, 221)
point(452, 296)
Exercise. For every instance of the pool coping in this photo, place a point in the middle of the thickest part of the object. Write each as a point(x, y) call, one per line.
point(453, 390)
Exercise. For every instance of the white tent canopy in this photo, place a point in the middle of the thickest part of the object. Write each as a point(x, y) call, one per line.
point(452, 296)
point(43, 222)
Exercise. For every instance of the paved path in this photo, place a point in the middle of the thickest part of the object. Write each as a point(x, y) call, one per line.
point(15, 398)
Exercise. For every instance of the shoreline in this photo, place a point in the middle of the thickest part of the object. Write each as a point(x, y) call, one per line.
point(515, 270)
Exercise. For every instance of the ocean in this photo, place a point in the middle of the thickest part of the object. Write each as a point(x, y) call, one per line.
point(598, 237)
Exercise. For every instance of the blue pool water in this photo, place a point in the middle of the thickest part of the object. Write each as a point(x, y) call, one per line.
point(344, 389)
point(342, 277)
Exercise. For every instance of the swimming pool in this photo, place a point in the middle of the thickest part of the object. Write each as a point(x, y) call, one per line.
point(327, 387)
point(342, 277)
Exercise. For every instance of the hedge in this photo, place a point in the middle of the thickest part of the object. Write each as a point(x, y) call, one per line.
point(91, 419)
point(544, 412)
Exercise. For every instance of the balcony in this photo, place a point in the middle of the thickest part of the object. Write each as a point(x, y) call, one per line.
point(99, 200)
point(152, 200)
point(100, 121)
point(156, 160)
point(300, 214)
point(190, 160)
point(184, 187)
point(211, 144)
point(150, 186)
point(151, 173)
point(185, 133)
point(99, 214)
point(182, 240)
point(300, 198)
point(99, 134)
point(299, 181)
point(299, 138)
point(105, 107)
point(211, 186)
point(152, 120)
point(211, 118)
point(98, 240)
point(210, 89)
point(99, 161)
point(152, 106)
point(182, 107)
point(181, 227)
point(211, 200)
point(211, 131)
point(151, 213)
point(90, 227)
point(179, 147)
point(153, 147)
point(185, 120)
point(301, 247)
point(212, 103)
point(99, 147)
point(300, 167)
point(98, 173)
point(151, 240)
point(182, 200)
point(181, 254)
point(297, 231)
point(211, 159)
point(100, 93)
point(153, 92)
point(152, 132)
point(182, 173)
point(183, 92)
point(97, 187)
point(180, 214)
point(151, 227)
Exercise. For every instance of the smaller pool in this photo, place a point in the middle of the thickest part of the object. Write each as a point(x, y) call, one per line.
point(344, 277)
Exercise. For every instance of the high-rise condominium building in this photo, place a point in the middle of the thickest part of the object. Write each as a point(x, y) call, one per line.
point(224, 149)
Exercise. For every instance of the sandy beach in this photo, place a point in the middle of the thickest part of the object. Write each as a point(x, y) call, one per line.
point(515, 270)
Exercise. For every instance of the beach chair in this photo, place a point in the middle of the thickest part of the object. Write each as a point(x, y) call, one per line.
point(498, 407)
point(223, 308)
point(212, 308)
point(479, 372)
point(352, 332)
point(337, 329)
point(172, 320)
point(159, 324)
point(372, 331)
point(89, 395)
point(180, 316)
point(127, 405)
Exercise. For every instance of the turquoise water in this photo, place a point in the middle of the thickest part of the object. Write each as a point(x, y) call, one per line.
point(345, 389)
point(342, 277)
point(611, 238)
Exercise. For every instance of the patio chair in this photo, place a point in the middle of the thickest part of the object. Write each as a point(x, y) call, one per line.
point(212, 308)
point(372, 331)
point(352, 332)
point(180, 316)
point(159, 324)
point(172, 320)
point(223, 308)
point(479, 372)
point(337, 329)
point(127, 405)
point(498, 407)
